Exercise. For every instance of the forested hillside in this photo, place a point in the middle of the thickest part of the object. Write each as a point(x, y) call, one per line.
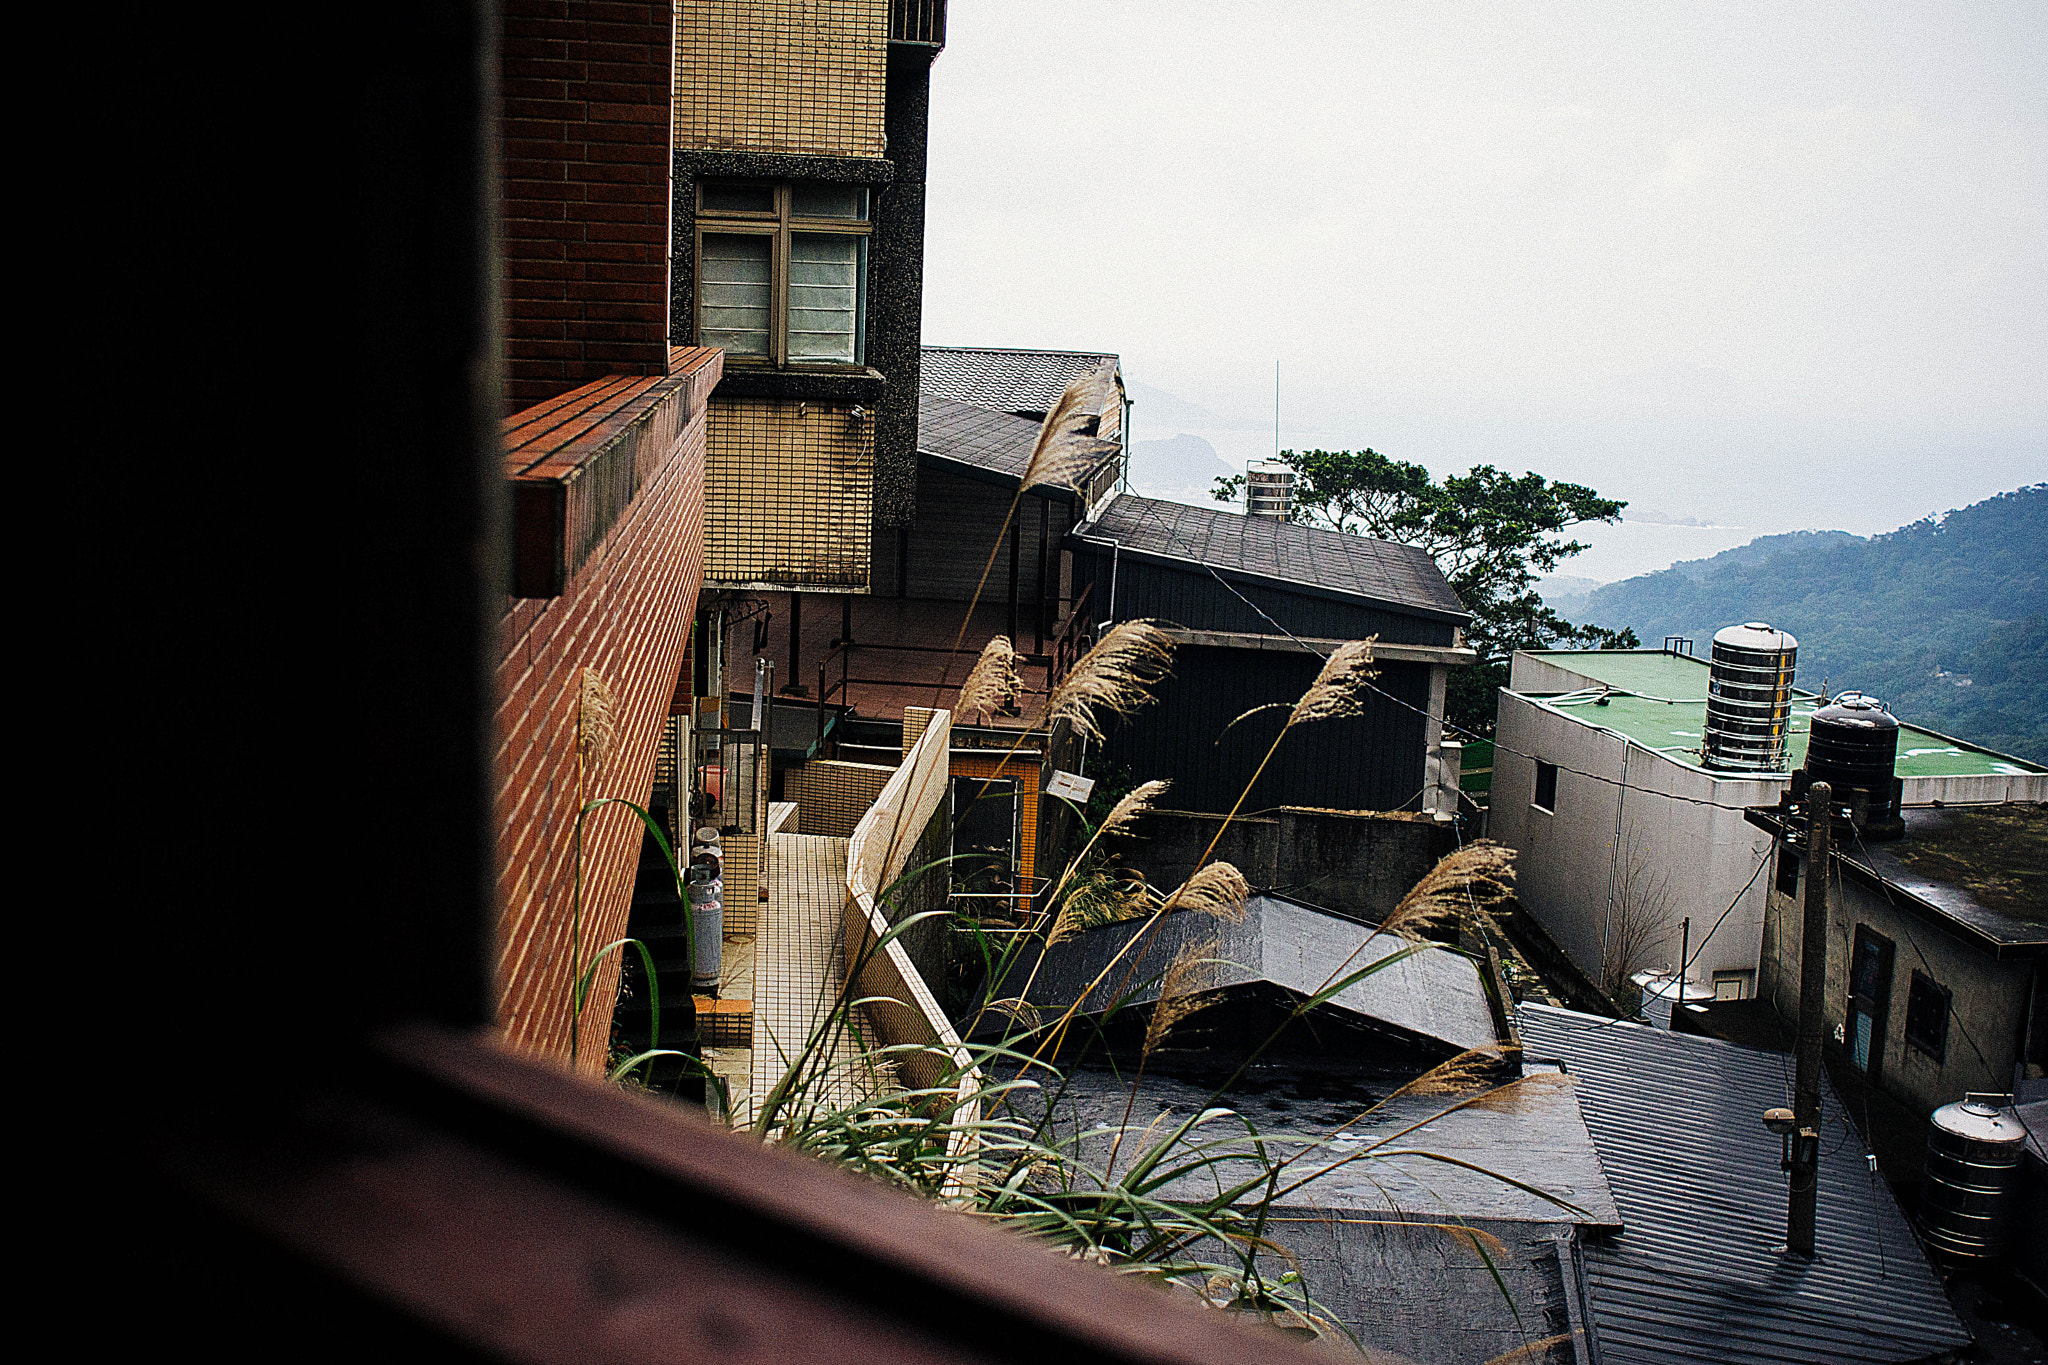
point(1946, 619)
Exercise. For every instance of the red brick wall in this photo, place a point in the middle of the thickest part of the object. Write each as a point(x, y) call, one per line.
point(587, 165)
point(627, 614)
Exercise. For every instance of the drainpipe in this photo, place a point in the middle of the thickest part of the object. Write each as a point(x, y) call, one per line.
point(1125, 435)
point(1115, 555)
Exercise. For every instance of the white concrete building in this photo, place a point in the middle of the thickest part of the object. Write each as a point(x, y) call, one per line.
point(1621, 835)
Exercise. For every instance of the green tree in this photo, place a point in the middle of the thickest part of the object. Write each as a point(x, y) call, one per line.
point(1493, 534)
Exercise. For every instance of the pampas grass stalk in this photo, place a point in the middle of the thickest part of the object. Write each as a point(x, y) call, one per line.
point(1062, 451)
point(1335, 692)
point(1115, 676)
point(1187, 988)
point(596, 728)
point(1470, 881)
point(993, 684)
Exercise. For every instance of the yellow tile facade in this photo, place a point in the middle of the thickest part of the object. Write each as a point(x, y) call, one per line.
point(789, 495)
point(832, 796)
point(800, 76)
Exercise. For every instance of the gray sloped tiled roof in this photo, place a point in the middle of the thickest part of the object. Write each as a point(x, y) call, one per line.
point(982, 437)
point(998, 443)
point(1284, 551)
point(1695, 1276)
point(1003, 380)
point(1434, 994)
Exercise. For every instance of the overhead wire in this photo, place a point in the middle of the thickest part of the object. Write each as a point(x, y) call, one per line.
point(1194, 556)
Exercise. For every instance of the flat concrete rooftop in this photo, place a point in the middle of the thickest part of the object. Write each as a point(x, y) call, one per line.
point(1666, 711)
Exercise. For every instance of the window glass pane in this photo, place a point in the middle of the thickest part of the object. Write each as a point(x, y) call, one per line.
point(732, 196)
point(829, 201)
point(1927, 1010)
point(1788, 871)
point(733, 292)
point(825, 298)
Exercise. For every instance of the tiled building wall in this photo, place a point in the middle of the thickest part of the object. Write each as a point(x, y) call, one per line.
point(743, 881)
point(1029, 775)
point(788, 494)
point(626, 614)
point(803, 76)
point(586, 169)
point(832, 796)
point(1029, 778)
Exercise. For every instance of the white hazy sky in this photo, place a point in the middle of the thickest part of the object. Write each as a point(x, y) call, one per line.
point(1771, 265)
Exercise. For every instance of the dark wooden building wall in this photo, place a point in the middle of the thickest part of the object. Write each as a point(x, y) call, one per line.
point(1368, 762)
point(1194, 599)
point(958, 519)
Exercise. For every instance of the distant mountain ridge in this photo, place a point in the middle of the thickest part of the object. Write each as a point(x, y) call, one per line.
point(1181, 469)
point(1763, 547)
point(1946, 619)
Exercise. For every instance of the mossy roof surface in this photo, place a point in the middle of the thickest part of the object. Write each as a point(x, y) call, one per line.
point(1999, 854)
point(1668, 713)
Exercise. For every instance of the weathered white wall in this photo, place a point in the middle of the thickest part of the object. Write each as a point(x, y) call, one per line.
point(1685, 822)
point(1987, 1003)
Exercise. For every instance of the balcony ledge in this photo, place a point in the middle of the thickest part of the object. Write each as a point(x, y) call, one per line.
point(576, 461)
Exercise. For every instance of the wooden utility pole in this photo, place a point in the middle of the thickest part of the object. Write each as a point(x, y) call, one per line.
point(1813, 986)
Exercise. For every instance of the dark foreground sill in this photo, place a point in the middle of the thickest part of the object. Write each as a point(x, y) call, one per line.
point(445, 1191)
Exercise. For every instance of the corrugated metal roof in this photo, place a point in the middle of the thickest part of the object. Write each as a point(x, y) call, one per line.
point(1695, 1275)
point(1380, 1241)
point(1004, 380)
point(1284, 551)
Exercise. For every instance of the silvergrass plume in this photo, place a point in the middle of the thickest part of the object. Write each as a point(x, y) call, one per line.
point(1519, 1093)
point(1338, 690)
point(1135, 802)
point(994, 684)
point(1187, 988)
point(1099, 895)
point(595, 725)
point(1479, 875)
point(1217, 889)
point(1067, 445)
point(1533, 1350)
point(1117, 676)
point(1463, 1072)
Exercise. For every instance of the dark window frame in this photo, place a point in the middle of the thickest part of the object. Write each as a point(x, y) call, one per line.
point(780, 226)
point(1925, 995)
point(1545, 798)
point(1873, 961)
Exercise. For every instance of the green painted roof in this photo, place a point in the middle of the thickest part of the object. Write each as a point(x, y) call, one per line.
point(1670, 714)
point(1652, 671)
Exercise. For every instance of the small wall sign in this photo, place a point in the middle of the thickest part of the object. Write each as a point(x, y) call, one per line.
point(1070, 787)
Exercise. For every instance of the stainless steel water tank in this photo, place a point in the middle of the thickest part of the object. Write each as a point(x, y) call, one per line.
point(1269, 489)
point(1749, 698)
point(1971, 1189)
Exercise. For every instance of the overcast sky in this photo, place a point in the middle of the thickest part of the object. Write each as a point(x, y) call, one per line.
point(1768, 265)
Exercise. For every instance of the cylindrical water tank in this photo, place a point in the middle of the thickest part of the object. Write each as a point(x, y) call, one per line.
point(1749, 698)
point(1853, 746)
point(1269, 489)
point(1971, 1189)
point(1661, 994)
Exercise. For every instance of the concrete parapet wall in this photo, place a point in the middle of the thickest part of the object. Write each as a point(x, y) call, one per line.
point(903, 1008)
point(1356, 862)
